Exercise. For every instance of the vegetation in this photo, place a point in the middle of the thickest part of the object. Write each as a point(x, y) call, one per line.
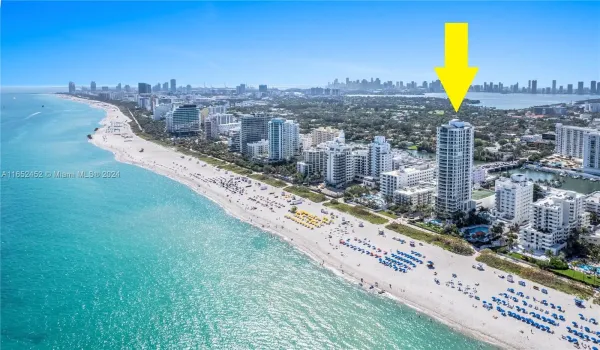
point(453, 244)
point(355, 191)
point(542, 277)
point(389, 214)
point(429, 226)
point(357, 211)
point(306, 193)
point(268, 180)
point(236, 169)
point(579, 276)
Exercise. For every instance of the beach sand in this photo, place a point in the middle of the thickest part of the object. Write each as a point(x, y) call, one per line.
point(416, 288)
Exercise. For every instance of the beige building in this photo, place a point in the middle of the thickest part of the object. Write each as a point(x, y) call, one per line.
point(322, 134)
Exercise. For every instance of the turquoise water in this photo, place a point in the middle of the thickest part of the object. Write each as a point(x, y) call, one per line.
point(143, 262)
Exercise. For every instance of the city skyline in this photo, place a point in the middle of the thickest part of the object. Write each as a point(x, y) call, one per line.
point(284, 49)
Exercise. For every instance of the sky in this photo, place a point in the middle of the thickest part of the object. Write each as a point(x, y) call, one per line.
point(290, 44)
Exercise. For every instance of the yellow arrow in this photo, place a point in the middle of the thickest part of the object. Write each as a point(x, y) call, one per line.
point(456, 76)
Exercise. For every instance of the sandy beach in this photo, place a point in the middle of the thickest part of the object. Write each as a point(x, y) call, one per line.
point(452, 301)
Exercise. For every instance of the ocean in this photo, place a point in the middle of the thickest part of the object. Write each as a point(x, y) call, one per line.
point(141, 261)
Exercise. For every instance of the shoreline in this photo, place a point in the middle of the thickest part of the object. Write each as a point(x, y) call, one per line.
point(455, 311)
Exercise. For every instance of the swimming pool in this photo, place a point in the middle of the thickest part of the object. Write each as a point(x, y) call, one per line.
point(590, 268)
point(474, 229)
point(435, 222)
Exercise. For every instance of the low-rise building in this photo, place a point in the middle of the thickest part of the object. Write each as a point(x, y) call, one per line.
point(161, 110)
point(258, 149)
point(592, 202)
point(414, 196)
point(552, 220)
point(396, 179)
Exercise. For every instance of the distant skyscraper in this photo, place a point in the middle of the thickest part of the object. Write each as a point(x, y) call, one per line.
point(263, 88)
point(165, 86)
point(534, 86)
point(118, 87)
point(569, 89)
point(580, 88)
point(553, 86)
point(529, 87)
point(188, 88)
point(71, 87)
point(93, 86)
point(173, 85)
point(593, 87)
point(454, 154)
point(127, 88)
point(144, 88)
point(240, 89)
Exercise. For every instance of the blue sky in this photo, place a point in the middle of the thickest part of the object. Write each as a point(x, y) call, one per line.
point(292, 44)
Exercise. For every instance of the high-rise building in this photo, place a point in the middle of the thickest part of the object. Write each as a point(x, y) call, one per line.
point(165, 86)
point(118, 88)
point(263, 88)
point(71, 87)
point(173, 85)
point(184, 119)
point(569, 89)
point(553, 86)
point(514, 197)
point(580, 88)
point(454, 168)
point(380, 153)
point(551, 221)
point(253, 127)
point(569, 140)
point(362, 162)
point(93, 86)
point(340, 165)
point(127, 88)
point(591, 153)
point(315, 159)
point(284, 136)
point(322, 134)
point(211, 127)
point(593, 87)
point(144, 88)
point(188, 88)
point(529, 87)
point(534, 86)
